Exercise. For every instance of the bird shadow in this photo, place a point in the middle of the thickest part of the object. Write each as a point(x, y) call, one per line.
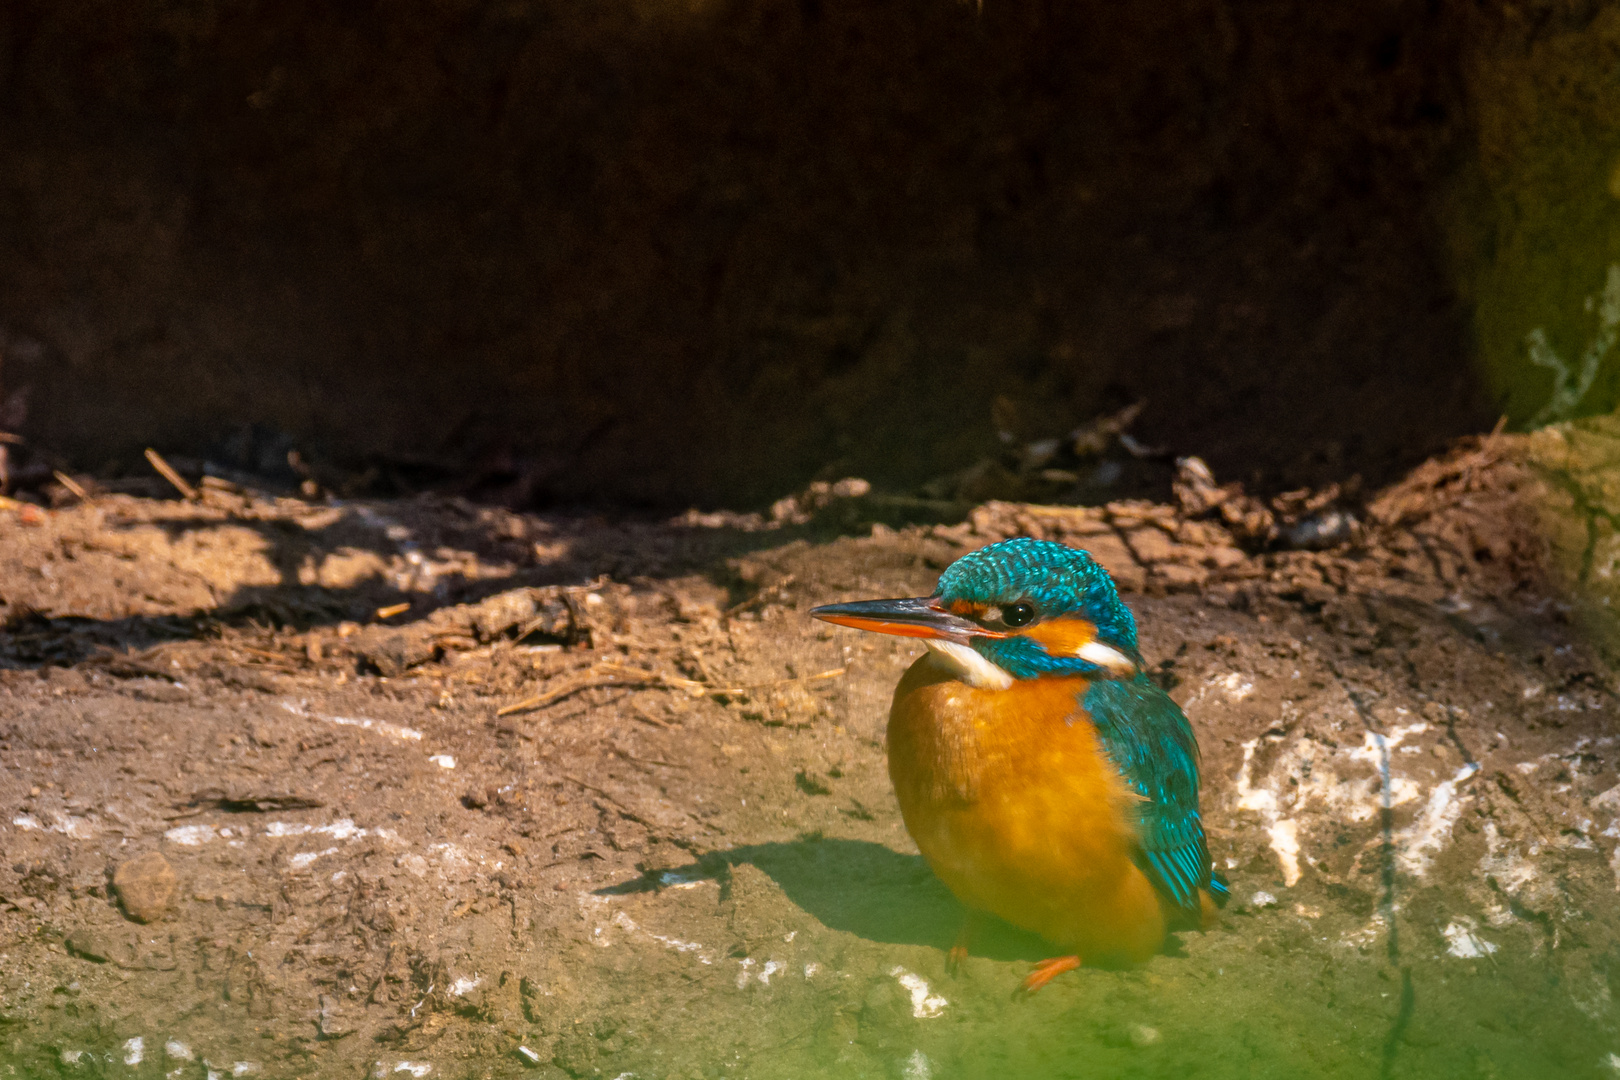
point(858, 887)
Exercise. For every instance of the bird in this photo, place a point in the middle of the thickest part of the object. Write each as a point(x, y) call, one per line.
point(1046, 778)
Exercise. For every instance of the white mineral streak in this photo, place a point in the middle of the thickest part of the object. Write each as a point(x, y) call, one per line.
point(381, 727)
point(1363, 938)
point(671, 879)
point(1504, 863)
point(1235, 686)
point(1305, 778)
point(67, 824)
point(1419, 842)
point(302, 860)
point(1284, 833)
point(591, 904)
point(917, 1067)
point(924, 1006)
point(1462, 940)
point(1609, 802)
point(1285, 842)
point(1591, 995)
point(415, 1068)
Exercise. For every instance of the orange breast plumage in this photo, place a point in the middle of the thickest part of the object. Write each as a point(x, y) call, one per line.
point(1016, 806)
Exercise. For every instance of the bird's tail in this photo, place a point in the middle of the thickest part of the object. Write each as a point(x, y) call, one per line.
point(1211, 898)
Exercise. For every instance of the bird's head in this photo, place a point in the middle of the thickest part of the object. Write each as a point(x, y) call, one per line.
point(1020, 609)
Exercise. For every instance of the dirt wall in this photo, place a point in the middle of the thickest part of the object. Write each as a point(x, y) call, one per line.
point(665, 253)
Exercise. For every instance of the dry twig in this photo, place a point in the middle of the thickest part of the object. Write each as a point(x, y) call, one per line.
point(613, 674)
point(166, 470)
point(72, 485)
point(760, 597)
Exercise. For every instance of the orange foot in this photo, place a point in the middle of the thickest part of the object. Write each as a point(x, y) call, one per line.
point(959, 948)
point(1046, 971)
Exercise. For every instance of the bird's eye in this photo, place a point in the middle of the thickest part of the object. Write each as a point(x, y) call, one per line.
point(1019, 614)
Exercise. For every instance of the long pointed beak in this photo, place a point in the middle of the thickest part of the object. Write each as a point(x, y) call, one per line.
point(919, 617)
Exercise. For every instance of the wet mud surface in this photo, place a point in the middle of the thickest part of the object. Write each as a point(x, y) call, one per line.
point(600, 799)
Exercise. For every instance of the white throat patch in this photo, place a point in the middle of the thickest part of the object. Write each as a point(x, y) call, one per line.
point(968, 666)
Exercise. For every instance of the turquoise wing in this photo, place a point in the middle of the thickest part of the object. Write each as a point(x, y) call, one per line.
point(1148, 738)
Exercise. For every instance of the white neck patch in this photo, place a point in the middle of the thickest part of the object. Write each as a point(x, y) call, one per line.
point(1106, 657)
point(968, 666)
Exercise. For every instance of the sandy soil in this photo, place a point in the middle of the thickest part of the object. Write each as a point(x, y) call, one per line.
point(602, 801)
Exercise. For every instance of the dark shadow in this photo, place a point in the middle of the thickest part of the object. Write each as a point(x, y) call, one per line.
point(704, 257)
point(628, 549)
point(31, 640)
point(859, 887)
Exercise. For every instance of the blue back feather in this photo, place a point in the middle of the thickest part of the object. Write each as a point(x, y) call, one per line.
point(1151, 743)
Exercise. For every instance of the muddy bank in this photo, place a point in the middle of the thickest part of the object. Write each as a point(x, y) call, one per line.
point(602, 801)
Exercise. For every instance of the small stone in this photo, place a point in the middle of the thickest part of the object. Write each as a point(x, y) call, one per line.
point(1321, 530)
point(1143, 1036)
point(146, 886)
point(332, 1023)
point(392, 652)
point(89, 945)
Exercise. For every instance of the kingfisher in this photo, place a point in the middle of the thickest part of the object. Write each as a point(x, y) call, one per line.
point(1046, 778)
